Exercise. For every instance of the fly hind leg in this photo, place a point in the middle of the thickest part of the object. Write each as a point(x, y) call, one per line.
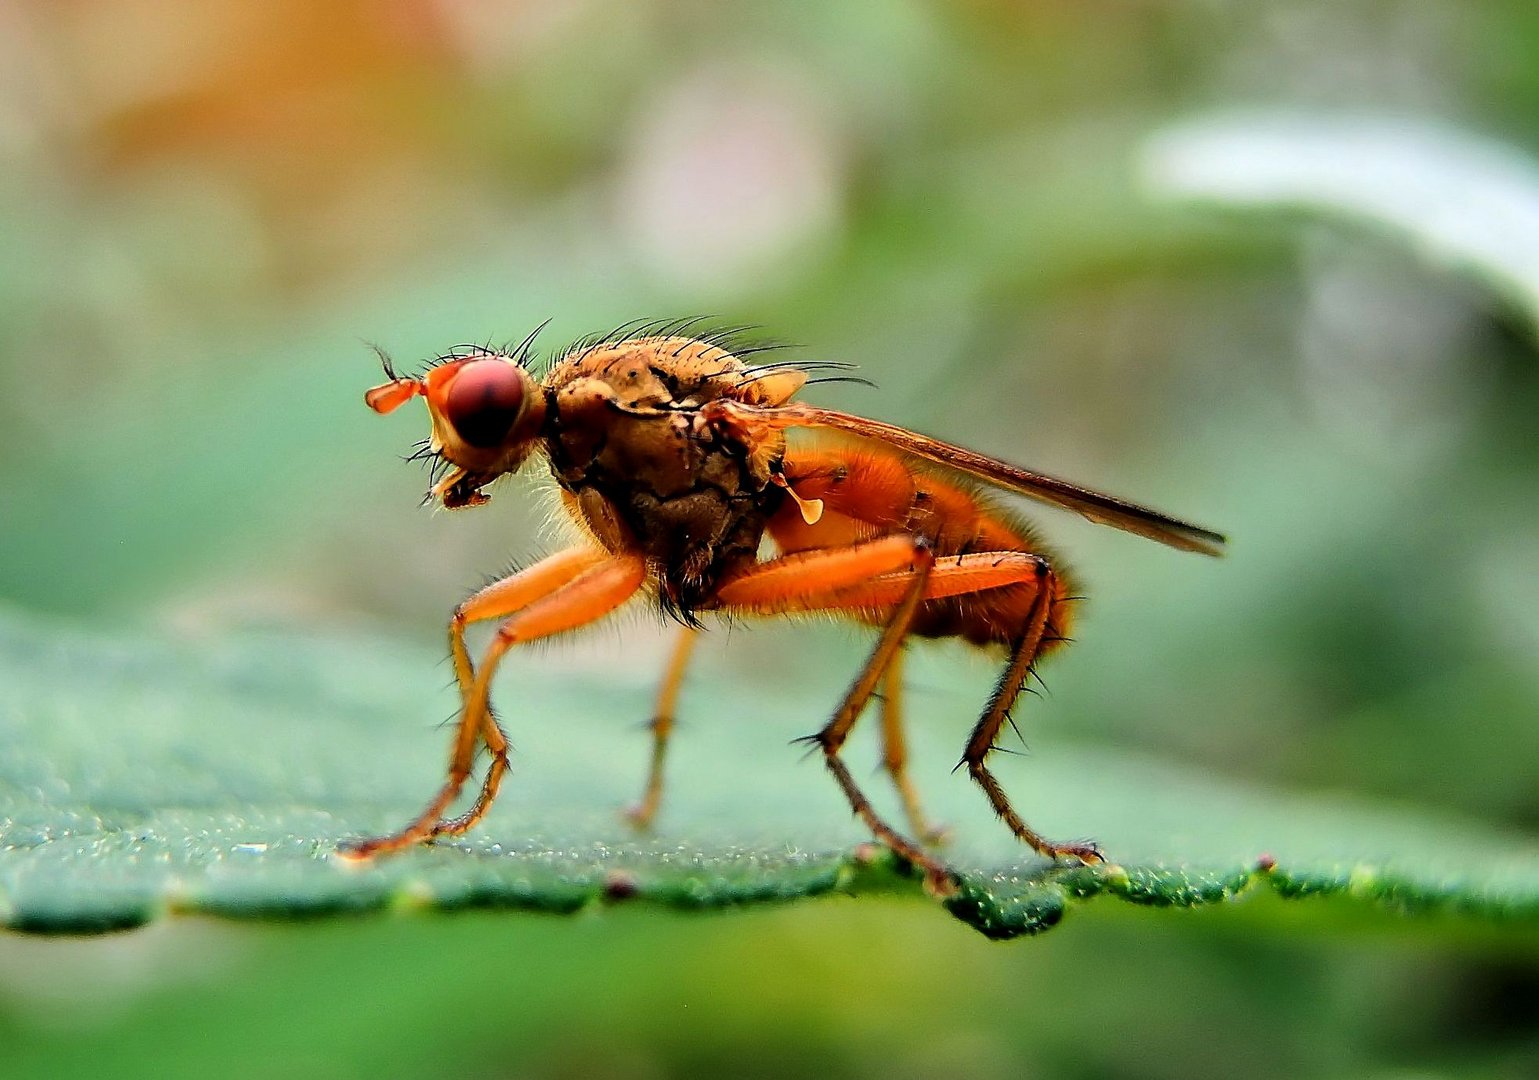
point(832, 737)
point(893, 576)
point(895, 756)
point(974, 573)
point(985, 733)
point(889, 574)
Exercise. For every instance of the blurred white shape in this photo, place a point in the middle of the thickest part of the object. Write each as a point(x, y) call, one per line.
point(730, 174)
point(1467, 202)
point(1384, 351)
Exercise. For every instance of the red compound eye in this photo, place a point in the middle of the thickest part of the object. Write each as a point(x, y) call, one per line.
point(483, 402)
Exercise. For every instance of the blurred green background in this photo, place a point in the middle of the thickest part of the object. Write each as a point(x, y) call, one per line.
point(1041, 229)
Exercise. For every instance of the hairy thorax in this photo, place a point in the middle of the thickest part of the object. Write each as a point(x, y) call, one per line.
point(641, 469)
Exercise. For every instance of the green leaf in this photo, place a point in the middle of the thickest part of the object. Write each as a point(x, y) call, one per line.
point(144, 777)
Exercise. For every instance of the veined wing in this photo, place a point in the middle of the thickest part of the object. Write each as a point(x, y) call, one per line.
point(1097, 507)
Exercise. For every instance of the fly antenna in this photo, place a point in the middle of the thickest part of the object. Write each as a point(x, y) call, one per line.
point(385, 362)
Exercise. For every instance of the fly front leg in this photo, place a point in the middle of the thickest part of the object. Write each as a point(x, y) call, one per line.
point(643, 812)
point(498, 600)
point(561, 593)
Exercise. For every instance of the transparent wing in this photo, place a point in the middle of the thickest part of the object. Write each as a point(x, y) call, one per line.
point(1103, 509)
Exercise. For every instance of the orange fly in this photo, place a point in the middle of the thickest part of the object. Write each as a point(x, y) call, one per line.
point(671, 453)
